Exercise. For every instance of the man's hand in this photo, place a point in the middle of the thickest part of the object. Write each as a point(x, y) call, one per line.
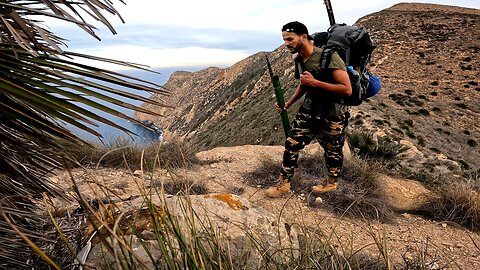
point(307, 79)
point(277, 107)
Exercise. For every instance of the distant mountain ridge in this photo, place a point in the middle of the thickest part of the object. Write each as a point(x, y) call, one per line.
point(430, 97)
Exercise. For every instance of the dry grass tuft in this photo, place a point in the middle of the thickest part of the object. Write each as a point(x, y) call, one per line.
point(456, 201)
point(358, 194)
point(120, 152)
point(184, 186)
point(266, 175)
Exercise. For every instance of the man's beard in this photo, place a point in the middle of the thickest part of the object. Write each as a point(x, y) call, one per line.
point(295, 49)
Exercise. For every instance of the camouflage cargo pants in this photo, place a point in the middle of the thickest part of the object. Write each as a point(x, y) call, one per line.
point(329, 132)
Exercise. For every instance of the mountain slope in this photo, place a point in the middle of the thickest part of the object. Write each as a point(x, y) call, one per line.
point(430, 97)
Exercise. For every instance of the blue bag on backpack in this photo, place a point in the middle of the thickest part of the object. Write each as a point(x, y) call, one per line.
point(374, 85)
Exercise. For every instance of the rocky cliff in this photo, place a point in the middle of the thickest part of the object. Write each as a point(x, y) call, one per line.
point(427, 59)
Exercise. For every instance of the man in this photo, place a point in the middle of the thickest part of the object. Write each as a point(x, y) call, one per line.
point(321, 116)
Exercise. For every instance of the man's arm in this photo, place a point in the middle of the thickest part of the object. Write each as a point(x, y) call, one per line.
point(342, 87)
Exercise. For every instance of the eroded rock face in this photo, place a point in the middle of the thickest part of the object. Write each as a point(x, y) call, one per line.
point(249, 234)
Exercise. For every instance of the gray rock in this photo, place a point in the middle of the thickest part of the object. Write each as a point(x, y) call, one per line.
point(248, 235)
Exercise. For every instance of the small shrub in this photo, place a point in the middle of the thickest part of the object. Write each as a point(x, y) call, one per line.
point(398, 130)
point(421, 141)
point(378, 122)
point(179, 186)
point(467, 67)
point(472, 143)
point(408, 122)
point(423, 112)
point(359, 122)
point(421, 175)
point(464, 165)
point(265, 175)
point(474, 83)
point(410, 134)
point(456, 201)
point(409, 92)
point(358, 194)
point(364, 144)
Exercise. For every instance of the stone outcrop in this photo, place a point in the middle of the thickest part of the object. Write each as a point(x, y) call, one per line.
point(215, 221)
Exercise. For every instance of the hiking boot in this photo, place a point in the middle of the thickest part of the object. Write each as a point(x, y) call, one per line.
point(282, 188)
point(331, 185)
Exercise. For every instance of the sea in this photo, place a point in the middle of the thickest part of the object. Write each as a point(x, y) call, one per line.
point(139, 135)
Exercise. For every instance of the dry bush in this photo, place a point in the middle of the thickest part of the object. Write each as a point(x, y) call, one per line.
point(456, 201)
point(172, 153)
point(358, 193)
point(266, 175)
point(330, 251)
point(183, 186)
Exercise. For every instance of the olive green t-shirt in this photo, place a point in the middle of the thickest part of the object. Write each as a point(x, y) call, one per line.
point(319, 100)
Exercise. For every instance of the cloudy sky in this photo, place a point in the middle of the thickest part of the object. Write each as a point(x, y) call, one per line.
point(197, 33)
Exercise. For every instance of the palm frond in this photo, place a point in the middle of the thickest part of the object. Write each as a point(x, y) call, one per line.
point(43, 88)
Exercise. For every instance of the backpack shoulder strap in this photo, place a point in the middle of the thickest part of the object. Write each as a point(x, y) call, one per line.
point(299, 66)
point(326, 58)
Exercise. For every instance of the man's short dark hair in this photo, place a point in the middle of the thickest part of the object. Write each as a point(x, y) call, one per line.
point(297, 28)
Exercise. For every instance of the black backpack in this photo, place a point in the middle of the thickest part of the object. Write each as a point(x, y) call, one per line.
point(354, 45)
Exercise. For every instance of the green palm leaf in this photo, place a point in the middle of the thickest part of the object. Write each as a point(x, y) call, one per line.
point(41, 90)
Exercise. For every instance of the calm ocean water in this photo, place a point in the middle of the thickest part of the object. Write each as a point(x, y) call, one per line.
point(143, 135)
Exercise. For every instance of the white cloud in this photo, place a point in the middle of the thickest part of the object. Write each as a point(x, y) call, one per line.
point(165, 26)
point(161, 58)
